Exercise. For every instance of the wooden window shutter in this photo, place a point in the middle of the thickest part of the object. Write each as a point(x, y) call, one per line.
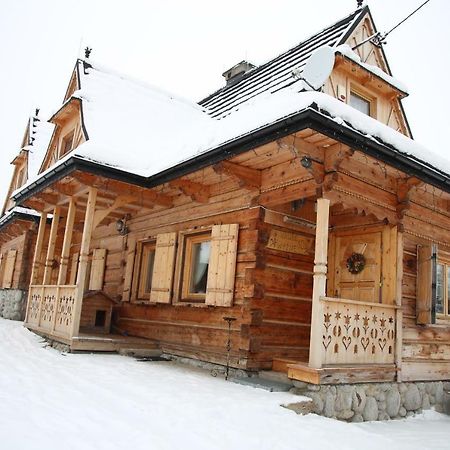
point(129, 265)
point(163, 268)
point(426, 284)
point(222, 265)
point(9, 269)
point(97, 269)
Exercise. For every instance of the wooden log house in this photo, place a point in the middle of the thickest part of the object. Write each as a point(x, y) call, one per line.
point(311, 218)
point(18, 225)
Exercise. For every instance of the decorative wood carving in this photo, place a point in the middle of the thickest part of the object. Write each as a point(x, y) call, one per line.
point(290, 242)
point(357, 333)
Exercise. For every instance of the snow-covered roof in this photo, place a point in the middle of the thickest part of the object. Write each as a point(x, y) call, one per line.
point(40, 134)
point(142, 130)
point(347, 51)
point(17, 210)
point(277, 73)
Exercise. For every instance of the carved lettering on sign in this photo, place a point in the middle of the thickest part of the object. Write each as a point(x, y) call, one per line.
point(290, 242)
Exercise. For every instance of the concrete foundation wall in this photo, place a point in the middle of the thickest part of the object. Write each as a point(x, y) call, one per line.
point(12, 304)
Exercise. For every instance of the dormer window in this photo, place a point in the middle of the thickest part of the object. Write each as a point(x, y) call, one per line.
point(66, 144)
point(360, 103)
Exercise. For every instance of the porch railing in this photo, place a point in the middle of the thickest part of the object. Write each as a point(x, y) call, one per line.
point(355, 332)
point(50, 309)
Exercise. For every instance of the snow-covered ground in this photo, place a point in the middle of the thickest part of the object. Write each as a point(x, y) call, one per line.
point(53, 401)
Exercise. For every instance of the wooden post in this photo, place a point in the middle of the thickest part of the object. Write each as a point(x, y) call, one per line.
point(38, 249)
point(319, 284)
point(83, 261)
point(399, 311)
point(65, 252)
point(51, 245)
point(37, 257)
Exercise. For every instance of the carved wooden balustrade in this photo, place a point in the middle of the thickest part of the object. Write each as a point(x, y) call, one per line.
point(50, 309)
point(355, 332)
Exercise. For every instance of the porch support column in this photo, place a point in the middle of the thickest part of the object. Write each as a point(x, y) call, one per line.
point(65, 252)
point(319, 284)
point(83, 261)
point(37, 260)
point(51, 245)
point(399, 310)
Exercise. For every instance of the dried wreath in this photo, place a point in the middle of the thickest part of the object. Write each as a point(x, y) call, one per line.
point(356, 263)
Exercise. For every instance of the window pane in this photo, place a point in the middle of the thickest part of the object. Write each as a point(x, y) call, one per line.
point(199, 271)
point(440, 289)
point(149, 274)
point(359, 103)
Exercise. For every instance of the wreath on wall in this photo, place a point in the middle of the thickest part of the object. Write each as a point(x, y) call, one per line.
point(356, 263)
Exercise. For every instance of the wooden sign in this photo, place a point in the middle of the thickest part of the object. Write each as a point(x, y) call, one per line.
point(290, 242)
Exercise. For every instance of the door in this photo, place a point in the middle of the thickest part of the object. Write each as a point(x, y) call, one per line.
point(366, 284)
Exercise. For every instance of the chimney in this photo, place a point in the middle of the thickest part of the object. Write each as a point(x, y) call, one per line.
point(237, 72)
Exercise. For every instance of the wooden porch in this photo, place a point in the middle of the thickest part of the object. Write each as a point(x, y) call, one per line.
point(351, 340)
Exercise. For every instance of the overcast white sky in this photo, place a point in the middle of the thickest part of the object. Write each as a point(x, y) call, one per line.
point(184, 46)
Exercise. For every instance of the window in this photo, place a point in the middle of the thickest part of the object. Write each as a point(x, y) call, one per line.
point(360, 103)
point(147, 263)
point(443, 290)
point(195, 267)
point(66, 144)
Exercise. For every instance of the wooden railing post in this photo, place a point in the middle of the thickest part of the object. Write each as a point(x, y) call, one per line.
point(51, 246)
point(37, 258)
point(319, 284)
point(83, 261)
point(65, 252)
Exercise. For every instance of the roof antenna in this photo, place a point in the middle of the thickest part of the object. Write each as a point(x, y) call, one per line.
point(378, 38)
point(360, 3)
point(87, 52)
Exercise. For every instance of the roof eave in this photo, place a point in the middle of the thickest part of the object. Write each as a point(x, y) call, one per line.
point(309, 117)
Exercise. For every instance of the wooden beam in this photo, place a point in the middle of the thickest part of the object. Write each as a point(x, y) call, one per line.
point(404, 188)
point(35, 204)
point(51, 245)
point(120, 201)
point(38, 249)
point(197, 191)
point(319, 283)
point(335, 155)
point(247, 178)
point(65, 252)
point(143, 195)
point(83, 261)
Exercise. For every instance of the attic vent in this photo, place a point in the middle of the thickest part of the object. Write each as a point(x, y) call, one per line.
point(237, 72)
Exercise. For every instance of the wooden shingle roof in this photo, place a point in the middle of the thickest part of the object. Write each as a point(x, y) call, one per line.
point(277, 73)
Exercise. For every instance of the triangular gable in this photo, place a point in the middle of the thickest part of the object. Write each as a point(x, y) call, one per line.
point(69, 131)
point(74, 83)
point(374, 55)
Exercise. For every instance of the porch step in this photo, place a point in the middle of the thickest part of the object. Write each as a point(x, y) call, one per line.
point(343, 374)
point(281, 365)
point(260, 383)
point(113, 343)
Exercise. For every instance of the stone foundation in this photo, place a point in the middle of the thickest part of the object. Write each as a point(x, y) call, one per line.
point(375, 401)
point(12, 304)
